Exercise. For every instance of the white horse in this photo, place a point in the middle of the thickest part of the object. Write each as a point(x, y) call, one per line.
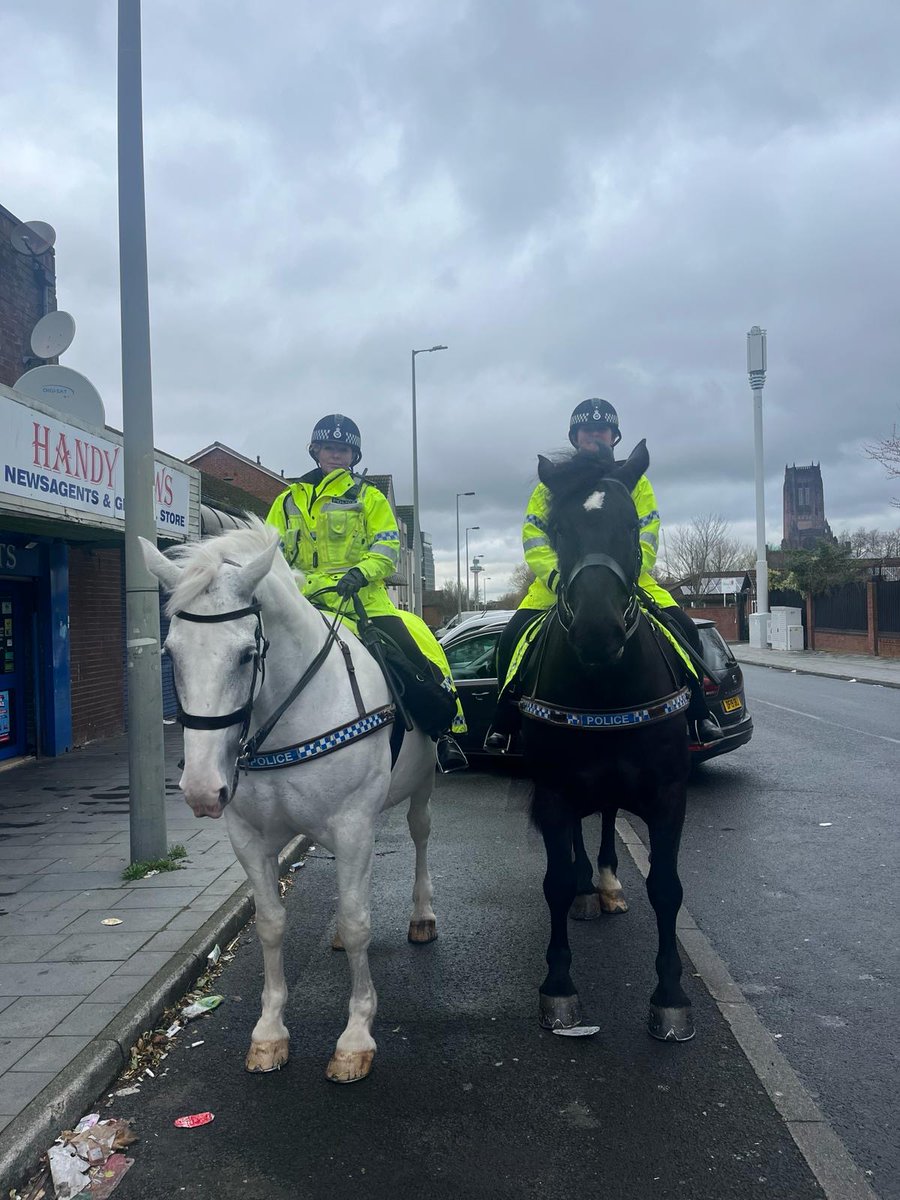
point(334, 800)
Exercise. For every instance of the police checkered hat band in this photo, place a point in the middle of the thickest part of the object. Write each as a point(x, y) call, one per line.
point(594, 413)
point(337, 428)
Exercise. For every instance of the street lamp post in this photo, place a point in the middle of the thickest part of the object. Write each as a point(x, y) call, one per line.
point(756, 369)
point(146, 762)
point(417, 533)
point(458, 571)
point(468, 529)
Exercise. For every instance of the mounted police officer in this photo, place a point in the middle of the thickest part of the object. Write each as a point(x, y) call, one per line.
point(594, 423)
point(341, 532)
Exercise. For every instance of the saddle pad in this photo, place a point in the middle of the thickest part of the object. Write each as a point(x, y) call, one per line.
point(530, 633)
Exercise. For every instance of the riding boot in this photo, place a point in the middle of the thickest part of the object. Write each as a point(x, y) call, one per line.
point(505, 726)
point(449, 755)
point(703, 727)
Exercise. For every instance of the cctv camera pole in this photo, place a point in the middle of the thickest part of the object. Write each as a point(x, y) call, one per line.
point(146, 762)
point(756, 369)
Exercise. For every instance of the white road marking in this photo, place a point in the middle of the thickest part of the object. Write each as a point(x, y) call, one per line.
point(836, 724)
point(826, 1155)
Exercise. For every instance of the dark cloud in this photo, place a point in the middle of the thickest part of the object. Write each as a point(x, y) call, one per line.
point(576, 199)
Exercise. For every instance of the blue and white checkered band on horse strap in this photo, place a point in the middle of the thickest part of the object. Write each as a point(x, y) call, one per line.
point(607, 718)
point(326, 743)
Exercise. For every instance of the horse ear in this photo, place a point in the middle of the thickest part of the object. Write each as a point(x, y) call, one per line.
point(546, 471)
point(252, 572)
point(634, 466)
point(157, 564)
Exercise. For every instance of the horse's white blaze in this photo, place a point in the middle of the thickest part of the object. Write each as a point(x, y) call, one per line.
point(335, 800)
point(594, 501)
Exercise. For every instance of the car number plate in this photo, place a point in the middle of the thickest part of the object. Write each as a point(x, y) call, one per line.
point(732, 704)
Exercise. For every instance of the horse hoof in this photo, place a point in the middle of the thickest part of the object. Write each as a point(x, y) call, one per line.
point(670, 1024)
point(586, 907)
point(422, 932)
point(267, 1056)
point(613, 902)
point(559, 1012)
point(336, 943)
point(349, 1066)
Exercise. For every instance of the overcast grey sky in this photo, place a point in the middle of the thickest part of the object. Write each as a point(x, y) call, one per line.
point(578, 198)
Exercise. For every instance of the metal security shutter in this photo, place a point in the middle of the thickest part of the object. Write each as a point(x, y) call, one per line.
point(96, 638)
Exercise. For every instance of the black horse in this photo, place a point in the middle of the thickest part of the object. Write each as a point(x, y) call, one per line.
point(604, 722)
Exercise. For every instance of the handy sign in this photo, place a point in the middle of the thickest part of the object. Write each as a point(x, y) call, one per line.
point(44, 458)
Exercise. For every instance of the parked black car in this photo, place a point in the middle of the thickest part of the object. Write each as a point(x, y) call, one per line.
point(471, 650)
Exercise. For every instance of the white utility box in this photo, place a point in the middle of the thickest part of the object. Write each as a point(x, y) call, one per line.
point(783, 626)
point(759, 631)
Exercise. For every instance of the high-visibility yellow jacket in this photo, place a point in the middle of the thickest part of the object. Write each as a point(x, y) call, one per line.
point(330, 523)
point(541, 557)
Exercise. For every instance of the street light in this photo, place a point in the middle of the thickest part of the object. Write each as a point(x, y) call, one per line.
point(458, 572)
point(417, 534)
point(468, 528)
point(756, 369)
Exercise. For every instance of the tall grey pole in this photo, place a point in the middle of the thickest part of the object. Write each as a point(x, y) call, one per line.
point(756, 369)
point(417, 533)
point(146, 763)
point(417, 529)
point(458, 569)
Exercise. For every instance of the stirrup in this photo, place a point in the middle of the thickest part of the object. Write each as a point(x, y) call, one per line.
point(497, 743)
point(450, 756)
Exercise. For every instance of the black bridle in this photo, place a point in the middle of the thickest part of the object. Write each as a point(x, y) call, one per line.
point(241, 716)
point(632, 613)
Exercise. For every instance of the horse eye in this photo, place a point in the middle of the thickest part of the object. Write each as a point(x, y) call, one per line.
point(247, 655)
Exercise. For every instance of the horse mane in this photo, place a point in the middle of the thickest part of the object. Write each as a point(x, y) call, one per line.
point(576, 475)
point(201, 561)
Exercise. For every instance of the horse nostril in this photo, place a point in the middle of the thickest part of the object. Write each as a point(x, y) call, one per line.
point(223, 796)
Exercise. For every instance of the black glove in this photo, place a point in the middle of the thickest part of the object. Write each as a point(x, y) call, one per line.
point(349, 584)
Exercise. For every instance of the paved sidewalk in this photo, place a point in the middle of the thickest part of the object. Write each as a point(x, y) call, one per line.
point(74, 993)
point(863, 668)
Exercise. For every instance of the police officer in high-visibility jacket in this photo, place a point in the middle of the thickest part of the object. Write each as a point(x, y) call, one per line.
point(594, 423)
point(342, 534)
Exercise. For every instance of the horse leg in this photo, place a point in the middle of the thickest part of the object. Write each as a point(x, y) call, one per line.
point(422, 922)
point(269, 1039)
point(355, 1048)
point(670, 1016)
point(612, 898)
point(586, 905)
point(559, 1005)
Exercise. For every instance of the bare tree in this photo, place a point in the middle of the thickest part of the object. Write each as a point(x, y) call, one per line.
point(872, 543)
point(887, 452)
point(698, 552)
point(519, 582)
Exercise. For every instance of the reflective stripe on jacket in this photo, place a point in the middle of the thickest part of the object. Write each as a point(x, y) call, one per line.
point(541, 557)
point(332, 523)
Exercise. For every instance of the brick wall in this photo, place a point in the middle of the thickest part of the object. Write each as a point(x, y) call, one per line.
point(96, 643)
point(21, 300)
point(842, 643)
point(889, 645)
point(726, 619)
point(222, 465)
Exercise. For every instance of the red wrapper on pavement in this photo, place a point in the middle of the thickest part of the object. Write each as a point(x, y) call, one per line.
point(194, 1120)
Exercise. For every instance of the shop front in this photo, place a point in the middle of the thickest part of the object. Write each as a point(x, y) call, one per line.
point(62, 608)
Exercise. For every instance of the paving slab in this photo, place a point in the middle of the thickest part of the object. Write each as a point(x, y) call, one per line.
point(35, 1016)
point(864, 668)
point(52, 1053)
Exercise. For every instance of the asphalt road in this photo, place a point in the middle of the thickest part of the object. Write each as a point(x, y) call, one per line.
point(789, 866)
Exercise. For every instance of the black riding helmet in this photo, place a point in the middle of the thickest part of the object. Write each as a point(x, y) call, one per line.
point(336, 428)
point(595, 414)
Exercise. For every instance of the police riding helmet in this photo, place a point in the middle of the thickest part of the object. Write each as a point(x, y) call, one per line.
point(339, 429)
point(594, 414)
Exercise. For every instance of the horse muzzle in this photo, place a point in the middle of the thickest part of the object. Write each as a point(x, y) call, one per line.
point(205, 799)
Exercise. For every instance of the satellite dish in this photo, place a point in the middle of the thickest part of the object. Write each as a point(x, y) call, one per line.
point(33, 237)
point(69, 392)
point(53, 334)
